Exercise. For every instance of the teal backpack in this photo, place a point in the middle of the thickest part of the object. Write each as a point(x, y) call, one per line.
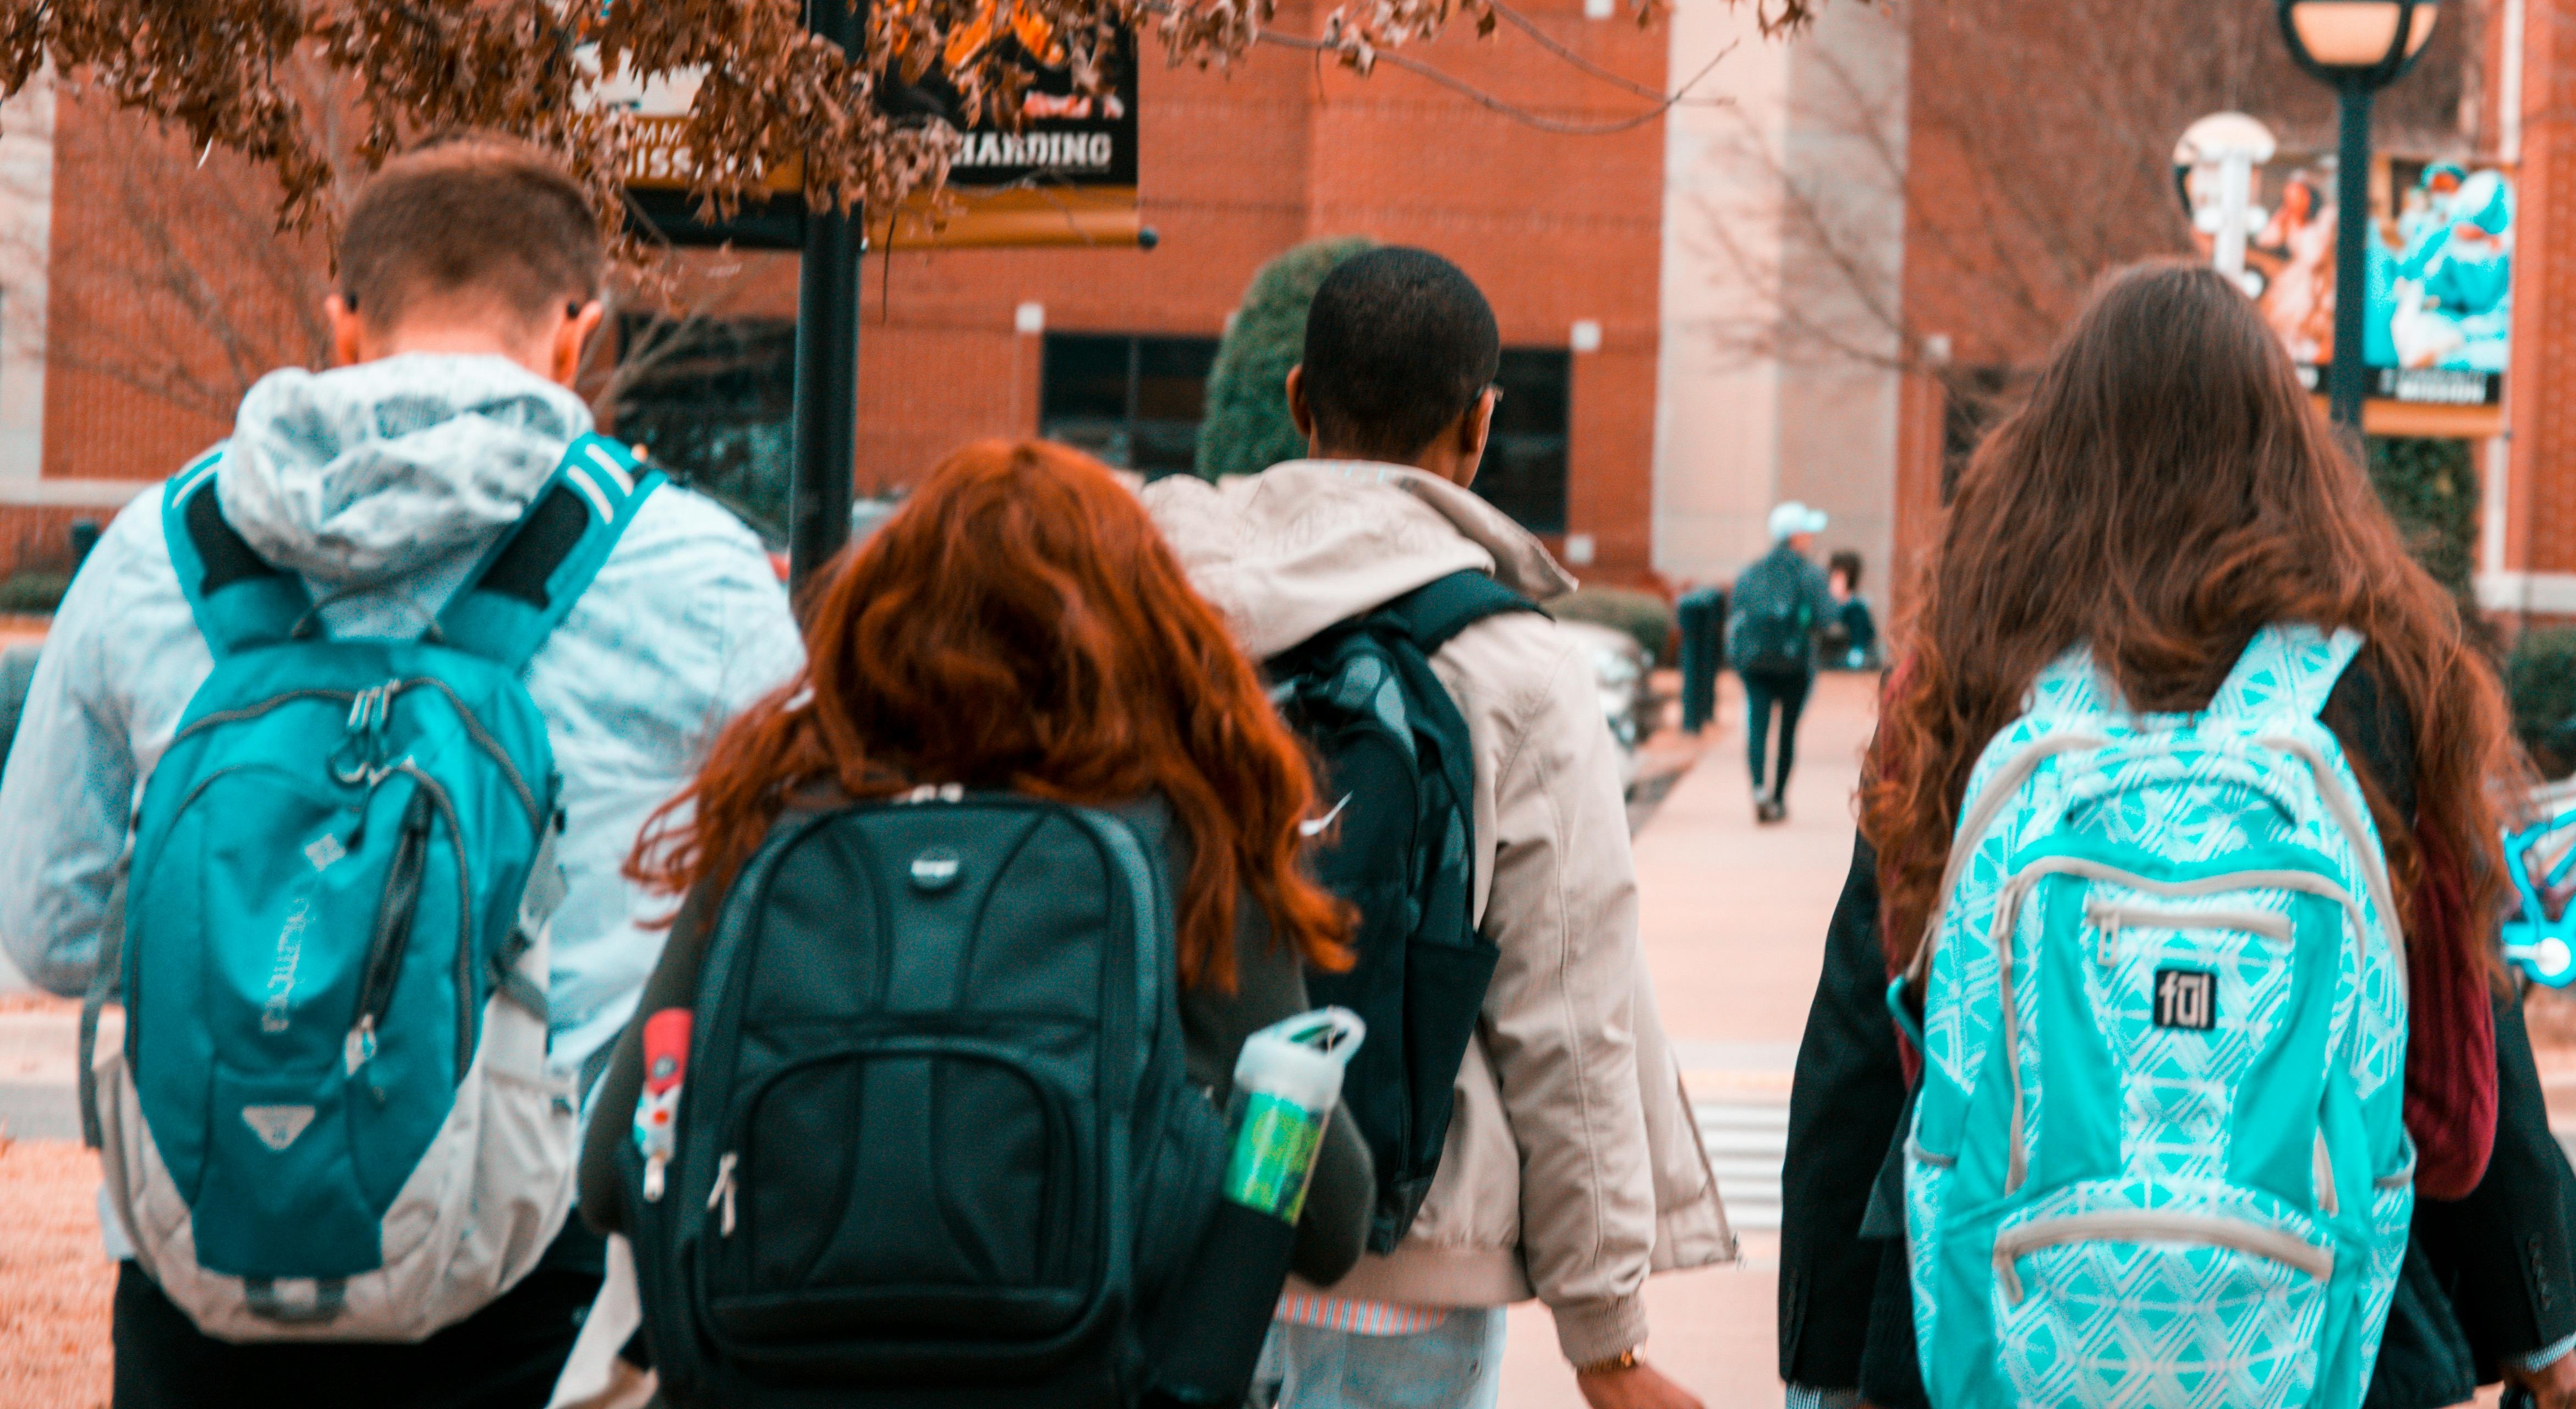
point(330, 1116)
point(2158, 1155)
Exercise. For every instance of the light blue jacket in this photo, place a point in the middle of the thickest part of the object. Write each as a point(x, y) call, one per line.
point(382, 484)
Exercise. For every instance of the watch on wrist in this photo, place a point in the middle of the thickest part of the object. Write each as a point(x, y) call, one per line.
point(1624, 1360)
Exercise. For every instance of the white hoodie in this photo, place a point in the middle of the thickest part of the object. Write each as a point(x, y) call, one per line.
point(1572, 1167)
point(382, 484)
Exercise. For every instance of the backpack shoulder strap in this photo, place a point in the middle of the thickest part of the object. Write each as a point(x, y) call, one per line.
point(240, 601)
point(2287, 670)
point(1433, 614)
point(526, 585)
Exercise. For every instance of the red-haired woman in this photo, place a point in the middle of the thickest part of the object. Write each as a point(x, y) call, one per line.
point(2167, 493)
point(1019, 627)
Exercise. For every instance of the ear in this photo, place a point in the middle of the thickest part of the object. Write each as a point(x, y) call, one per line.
point(563, 358)
point(1299, 413)
point(348, 334)
point(1475, 428)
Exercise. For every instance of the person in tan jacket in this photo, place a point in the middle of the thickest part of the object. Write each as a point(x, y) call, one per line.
point(1572, 1168)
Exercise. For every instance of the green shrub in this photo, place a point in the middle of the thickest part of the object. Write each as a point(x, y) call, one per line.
point(2431, 488)
point(33, 591)
point(1247, 429)
point(1641, 615)
point(2541, 675)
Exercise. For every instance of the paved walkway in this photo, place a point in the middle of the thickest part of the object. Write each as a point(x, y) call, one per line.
point(1734, 923)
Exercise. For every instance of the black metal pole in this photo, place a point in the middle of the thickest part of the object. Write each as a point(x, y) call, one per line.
point(2348, 380)
point(827, 356)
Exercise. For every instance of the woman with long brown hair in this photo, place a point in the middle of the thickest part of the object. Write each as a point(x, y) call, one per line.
point(1018, 629)
point(2167, 492)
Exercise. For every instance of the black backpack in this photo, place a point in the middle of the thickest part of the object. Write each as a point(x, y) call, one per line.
point(1774, 629)
point(1398, 776)
point(936, 1144)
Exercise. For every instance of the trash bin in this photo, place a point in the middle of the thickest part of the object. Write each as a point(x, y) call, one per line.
point(1701, 615)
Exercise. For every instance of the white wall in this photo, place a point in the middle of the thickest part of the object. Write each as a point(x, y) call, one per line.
point(1783, 250)
point(26, 220)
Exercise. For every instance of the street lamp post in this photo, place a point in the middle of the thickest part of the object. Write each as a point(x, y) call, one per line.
point(2358, 47)
point(827, 354)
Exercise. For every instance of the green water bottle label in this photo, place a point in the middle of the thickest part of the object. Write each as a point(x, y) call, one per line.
point(1274, 1154)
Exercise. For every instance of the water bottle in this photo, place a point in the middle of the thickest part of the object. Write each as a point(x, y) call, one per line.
point(1286, 1083)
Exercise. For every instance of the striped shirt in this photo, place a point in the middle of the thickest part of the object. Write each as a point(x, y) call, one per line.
point(1358, 1318)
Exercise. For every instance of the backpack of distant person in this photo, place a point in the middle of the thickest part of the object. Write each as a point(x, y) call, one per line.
point(1774, 627)
point(330, 1117)
point(1398, 770)
point(2159, 1155)
point(935, 1143)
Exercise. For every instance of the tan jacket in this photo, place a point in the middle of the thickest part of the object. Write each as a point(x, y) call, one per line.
point(1573, 1167)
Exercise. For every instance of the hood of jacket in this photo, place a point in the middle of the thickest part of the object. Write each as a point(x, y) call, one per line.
point(362, 474)
point(1300, 546)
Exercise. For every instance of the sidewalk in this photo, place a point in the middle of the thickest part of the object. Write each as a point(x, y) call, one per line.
point(1734, 922)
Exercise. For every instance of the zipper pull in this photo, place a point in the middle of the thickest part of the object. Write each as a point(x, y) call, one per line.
point(722, 1194)
point(361, 1046)
point(653, 1168)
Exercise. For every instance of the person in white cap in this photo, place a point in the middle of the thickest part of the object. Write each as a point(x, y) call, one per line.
point(1780, 602)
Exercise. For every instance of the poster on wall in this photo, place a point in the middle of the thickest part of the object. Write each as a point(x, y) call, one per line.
point(1063, 174)
point(2439, 272)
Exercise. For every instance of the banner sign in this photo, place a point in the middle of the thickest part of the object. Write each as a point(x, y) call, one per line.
point(2439, 272)
point(1066, 176)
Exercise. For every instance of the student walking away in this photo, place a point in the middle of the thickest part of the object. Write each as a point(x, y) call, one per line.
point(1780, 604)
point(397, 671)
point(2175, 1117)
point(1529, 1129)
point(976, 916)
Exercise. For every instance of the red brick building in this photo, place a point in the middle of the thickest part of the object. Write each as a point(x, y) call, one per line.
point(1108, 346)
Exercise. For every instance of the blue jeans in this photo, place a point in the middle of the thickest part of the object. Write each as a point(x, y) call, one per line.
point(1457, 1364)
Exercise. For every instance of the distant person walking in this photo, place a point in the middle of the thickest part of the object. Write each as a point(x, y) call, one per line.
point(1780, 603)
point(1851, 635)
point(2161, 1056)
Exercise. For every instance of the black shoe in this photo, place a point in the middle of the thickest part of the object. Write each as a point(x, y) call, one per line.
point(1768, 810)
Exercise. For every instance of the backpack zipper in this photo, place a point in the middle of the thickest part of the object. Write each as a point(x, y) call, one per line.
point(2155, 1226)
point(721, 1195)
point(474, 730)
point(395, 912)
point(2111, 919)
point(468, 995)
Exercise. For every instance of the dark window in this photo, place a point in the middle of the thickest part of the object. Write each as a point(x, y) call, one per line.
point(1133, 401)
point(714, 401)
point(1524, 469)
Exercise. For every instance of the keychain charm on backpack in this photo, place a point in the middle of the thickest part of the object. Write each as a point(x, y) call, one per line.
point(657, 1109)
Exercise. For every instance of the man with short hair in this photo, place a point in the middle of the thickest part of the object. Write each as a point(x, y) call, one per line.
point(1572, 1168)
point(469, 282)
point(1780, 603)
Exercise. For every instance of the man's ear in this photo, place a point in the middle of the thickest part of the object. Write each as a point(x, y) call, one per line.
point(348, 335)
point(1476, 427)
point(1301, 415)
point(563, 358)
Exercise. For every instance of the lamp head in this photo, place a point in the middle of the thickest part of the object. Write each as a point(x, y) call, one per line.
point(2372, 41)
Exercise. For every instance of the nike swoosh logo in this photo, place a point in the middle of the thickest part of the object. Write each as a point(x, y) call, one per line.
point(1316, 827)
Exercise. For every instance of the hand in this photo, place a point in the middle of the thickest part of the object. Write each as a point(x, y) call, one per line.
point(1644, 1388)
point(2552, 1386)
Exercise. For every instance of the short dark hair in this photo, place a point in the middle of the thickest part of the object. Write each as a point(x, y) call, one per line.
point(1399, 343)
point(470, 217)
point(1847, 563)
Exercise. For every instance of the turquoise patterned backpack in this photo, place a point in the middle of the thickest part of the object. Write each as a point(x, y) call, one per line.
point(2158, 1156)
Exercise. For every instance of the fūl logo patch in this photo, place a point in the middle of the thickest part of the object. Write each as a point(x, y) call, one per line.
point(2186, 998)
point(277, 1126)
